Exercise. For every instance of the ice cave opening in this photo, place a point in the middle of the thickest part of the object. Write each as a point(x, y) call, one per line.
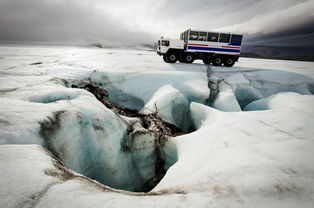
point(117, 147)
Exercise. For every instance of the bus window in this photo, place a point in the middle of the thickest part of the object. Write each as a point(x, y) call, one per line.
point(193, 35)
point(165, 43)
point(213, 37)
point(202, 36)
point(224, 38)
point(236, 40)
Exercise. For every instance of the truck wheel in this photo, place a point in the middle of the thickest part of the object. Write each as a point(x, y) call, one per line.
point(188, 58)
point(229, 62)
point(207, 60)
point(172, 57)
point(217, 61)
point(165, 58)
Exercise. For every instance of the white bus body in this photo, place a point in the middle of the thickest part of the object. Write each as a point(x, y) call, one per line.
point(212, 47)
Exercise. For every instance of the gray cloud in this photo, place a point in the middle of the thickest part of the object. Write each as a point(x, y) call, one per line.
point(244, 15)
point(63, 21)
point(131, 22)
point(300, 35)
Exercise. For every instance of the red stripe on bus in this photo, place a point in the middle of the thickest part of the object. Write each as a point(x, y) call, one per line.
point(230, 46)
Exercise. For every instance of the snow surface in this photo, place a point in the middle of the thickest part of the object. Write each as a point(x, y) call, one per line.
point(253, 144)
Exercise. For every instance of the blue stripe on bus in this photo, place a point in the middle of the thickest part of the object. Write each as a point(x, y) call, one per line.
point(213, 49)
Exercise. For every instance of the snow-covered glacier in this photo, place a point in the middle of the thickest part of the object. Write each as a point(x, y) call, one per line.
point(89, 127)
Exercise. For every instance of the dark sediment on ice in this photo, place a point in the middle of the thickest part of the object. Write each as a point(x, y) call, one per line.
point(151, 125)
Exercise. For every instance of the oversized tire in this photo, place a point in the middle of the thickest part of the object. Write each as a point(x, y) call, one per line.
point(165, 58)
point(206, 60)
point(172, 57)
point(229, 61)
point(188, 58)
point(217, 61)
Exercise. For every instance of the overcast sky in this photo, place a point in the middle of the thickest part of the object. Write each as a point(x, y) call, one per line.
point(131, 22)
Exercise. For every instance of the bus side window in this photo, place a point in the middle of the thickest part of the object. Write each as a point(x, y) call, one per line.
point(212, 37)
point(193, 35)
point(202, 36)
point(236, 40)
point(165, 43)
point(224, 38)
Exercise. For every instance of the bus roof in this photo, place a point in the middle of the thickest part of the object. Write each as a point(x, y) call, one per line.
point(196, 30)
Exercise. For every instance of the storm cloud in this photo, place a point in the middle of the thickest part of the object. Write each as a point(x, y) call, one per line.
point(132, 22)
point(67, 21)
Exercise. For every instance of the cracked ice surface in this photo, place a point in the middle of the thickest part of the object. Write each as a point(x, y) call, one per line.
point(237, 156)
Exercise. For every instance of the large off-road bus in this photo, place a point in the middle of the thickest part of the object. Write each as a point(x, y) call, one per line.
point(212, 47)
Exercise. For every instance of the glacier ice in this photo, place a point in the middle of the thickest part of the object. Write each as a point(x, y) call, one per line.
point(171, 105)
point(235, 90)
point(246, 94)
point(281, 101)
point(108, 146)
point(237, 159)
point(98, 145)
point(225, 100)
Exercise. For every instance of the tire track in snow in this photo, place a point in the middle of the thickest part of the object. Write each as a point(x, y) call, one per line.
point(280, 130)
